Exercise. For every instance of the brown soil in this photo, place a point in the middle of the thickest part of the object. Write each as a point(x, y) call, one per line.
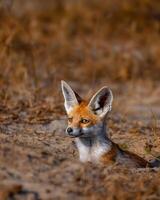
point(88, 44)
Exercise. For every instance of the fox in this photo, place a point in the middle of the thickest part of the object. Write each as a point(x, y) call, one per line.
point(87, 125)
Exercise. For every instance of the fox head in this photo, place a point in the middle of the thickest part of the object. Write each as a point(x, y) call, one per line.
point(84, 118)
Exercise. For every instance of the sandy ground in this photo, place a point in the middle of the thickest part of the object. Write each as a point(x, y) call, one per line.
point(36, 154)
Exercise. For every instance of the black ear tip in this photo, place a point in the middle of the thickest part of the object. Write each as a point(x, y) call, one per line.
point(106, 90)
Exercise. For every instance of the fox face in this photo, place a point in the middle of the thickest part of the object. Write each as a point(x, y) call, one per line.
point(81, 121)
point(86, 118)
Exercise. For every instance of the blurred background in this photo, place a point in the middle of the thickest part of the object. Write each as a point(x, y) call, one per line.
point(83, 41)
point(89, 44)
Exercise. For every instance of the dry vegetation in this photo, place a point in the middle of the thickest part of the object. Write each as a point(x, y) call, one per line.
point(89, 44)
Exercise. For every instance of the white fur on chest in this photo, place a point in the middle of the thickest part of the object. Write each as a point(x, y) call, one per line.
point(93, 153)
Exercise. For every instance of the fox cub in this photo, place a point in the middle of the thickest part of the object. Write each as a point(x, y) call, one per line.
point(87, 124)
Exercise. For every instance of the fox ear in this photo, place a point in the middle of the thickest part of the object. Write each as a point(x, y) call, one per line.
point(71, 98)
point(101, 102)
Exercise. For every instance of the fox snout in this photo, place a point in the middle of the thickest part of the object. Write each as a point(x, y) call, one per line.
point(74, 132)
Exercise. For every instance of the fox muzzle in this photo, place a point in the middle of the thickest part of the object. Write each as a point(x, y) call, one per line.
point(74, 132)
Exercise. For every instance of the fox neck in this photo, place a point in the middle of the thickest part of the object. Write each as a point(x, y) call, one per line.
point(92, 148)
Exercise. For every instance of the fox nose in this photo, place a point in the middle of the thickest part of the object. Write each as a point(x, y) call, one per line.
point(74, 132)
point(69, 130)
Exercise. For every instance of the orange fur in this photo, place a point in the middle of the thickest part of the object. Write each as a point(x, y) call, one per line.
point(82, 111)
point(129, 157)
point(109, 157)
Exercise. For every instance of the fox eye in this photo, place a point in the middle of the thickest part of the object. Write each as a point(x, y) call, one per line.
point(84, 121)
point(70, 119)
